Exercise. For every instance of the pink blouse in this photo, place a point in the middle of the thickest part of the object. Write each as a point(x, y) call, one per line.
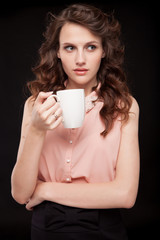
point(82, 154)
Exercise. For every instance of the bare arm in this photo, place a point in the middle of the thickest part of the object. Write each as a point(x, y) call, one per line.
point(119, 193)
point(37, 118)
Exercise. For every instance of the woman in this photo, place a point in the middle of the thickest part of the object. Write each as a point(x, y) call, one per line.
point(75, 180)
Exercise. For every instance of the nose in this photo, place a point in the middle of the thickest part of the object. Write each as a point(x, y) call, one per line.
point(80, 58)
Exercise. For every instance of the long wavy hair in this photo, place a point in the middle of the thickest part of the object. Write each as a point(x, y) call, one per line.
point(49, 72)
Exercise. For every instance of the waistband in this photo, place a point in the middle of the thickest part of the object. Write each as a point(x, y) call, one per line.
point(50, 216)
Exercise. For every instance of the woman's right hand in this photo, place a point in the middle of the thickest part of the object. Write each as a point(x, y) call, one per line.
point(46, 113)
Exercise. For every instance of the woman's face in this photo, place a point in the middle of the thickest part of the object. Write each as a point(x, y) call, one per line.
point(80, 52)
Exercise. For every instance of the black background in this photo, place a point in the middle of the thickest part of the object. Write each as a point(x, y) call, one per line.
point(21, 28)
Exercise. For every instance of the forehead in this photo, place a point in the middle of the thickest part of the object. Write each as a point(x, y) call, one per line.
point(75, 33)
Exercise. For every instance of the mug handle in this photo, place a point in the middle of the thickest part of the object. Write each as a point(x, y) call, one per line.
point(55, 96)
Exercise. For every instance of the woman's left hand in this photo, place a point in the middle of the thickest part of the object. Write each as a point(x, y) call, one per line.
point(37, 197)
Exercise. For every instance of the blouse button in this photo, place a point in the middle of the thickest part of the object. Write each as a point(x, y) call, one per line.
point(67, 179)
point(70, 141)
point(68, 160)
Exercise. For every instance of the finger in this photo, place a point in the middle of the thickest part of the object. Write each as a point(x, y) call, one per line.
point(56, 123)
point(49, 113)
point(42, 96)
point(57, 113)
point(28, 207)
point(52, 118)
point(48, 103)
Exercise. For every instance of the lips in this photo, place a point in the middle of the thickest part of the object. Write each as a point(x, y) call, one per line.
point(80, 71)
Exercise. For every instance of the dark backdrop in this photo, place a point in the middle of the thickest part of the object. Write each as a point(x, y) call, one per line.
point(21, 28)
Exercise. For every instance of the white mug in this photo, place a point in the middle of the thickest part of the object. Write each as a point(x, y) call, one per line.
point(72, 102)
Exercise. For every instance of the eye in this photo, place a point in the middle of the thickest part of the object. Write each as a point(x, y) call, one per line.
point(69, 48)
point(91, 47)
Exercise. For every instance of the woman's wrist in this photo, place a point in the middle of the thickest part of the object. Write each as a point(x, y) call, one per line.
point(36, 131)
point(48, 191)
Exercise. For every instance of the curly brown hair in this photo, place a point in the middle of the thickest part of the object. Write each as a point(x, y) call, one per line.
point(49, 72)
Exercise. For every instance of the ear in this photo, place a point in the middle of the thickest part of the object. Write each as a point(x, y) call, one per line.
point(58, 54)
point(103, 54)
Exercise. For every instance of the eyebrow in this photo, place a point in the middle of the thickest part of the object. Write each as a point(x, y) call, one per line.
point(87, 43)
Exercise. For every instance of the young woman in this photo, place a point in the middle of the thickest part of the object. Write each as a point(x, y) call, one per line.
point(75, 180)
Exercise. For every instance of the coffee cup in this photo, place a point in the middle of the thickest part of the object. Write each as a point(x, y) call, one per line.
point(72, 102)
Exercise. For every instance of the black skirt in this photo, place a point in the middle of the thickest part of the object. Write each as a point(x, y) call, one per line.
point(52, 221)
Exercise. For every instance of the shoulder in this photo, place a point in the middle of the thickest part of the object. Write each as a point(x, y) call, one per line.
point(134, 106)
point(28, 106)
point(133, 118)
point(134, 111)
point(27, 112)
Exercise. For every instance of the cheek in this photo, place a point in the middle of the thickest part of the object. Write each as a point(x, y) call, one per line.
point(64, 60)
point(66, 63)
point(95, 62)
